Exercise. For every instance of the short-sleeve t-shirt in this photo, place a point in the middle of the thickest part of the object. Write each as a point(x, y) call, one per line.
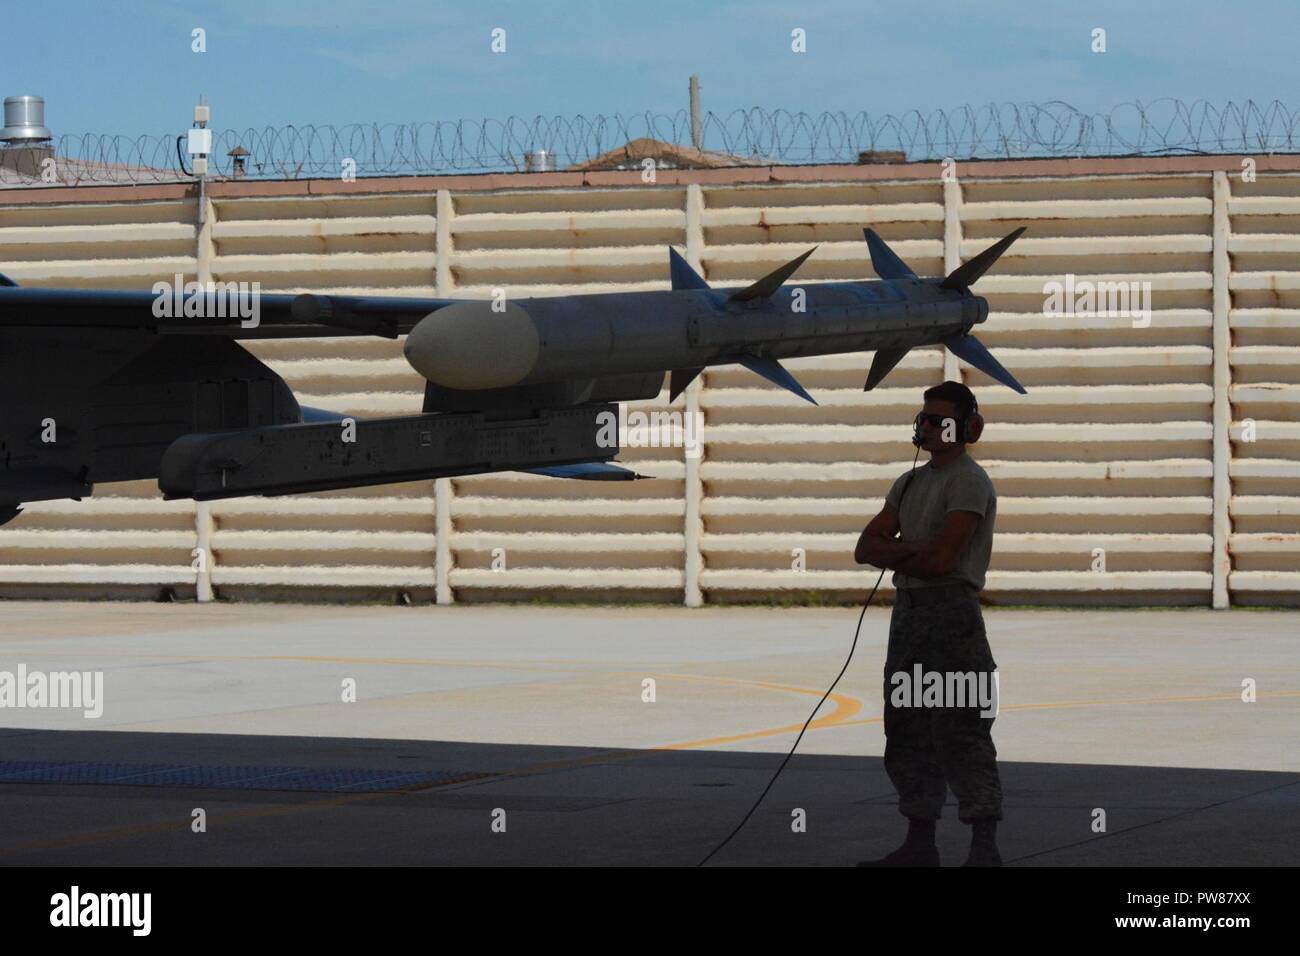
point(961, 485)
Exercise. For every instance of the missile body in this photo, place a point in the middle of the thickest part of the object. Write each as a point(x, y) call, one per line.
point(472, 345)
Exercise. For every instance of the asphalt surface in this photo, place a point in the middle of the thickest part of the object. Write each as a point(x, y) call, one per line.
point(525, 735)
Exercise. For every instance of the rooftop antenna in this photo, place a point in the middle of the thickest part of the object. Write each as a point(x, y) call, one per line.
point(199, 145)
point(697, 131)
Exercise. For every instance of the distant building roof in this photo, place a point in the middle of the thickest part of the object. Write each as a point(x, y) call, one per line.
point(21, 168)
point(666, 156)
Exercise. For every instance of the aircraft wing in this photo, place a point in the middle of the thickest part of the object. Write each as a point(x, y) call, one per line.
point(275, 315)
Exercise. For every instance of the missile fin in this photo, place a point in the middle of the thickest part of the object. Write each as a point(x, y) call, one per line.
point(9, 283)
point(885, 260)
point(768, 285)
point(587, 471)
point(774, 372)
point(680, 378)
point(883, 364)
point(681, 273)
point(314, 416)
point(965, 275)
point(972, 350)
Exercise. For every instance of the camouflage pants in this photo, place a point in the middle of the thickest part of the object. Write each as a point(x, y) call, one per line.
point(931, 748)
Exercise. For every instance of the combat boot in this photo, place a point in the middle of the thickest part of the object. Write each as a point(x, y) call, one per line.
point(918, 847)
point(984, 844)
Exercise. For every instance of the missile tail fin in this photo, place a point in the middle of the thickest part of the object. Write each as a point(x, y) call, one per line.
point(681, 273)
point(883, 364)
point(972, 350)
point(776, 373)
point(768, 285)
point(885, 260)
point(9, 283)
point(965, 275)
point(680, 378)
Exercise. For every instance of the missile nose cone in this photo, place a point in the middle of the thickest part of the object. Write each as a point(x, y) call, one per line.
point(470, 346)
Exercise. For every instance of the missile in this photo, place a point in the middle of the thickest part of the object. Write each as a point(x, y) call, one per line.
point(471, 345)
point(522, 384)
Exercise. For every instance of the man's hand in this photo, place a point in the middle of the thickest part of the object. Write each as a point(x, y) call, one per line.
point(879, 544)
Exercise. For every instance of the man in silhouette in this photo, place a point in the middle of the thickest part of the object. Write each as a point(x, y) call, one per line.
point(935, 532)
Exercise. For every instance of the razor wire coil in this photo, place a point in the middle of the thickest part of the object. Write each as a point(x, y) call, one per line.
point(741, 137)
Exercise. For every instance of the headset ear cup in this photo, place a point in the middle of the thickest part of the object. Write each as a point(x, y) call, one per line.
point(974, 428)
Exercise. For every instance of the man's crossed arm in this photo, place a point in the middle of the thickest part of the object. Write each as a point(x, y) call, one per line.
point(879, 544)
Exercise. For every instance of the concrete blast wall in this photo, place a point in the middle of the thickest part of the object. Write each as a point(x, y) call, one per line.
point(1152, 461)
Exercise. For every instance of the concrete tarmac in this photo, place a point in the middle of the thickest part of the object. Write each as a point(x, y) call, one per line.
point(552, 735)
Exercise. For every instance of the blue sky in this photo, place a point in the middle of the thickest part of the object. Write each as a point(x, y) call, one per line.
point(128, 68)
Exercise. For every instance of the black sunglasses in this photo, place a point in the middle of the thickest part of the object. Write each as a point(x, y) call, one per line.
point(938, 421)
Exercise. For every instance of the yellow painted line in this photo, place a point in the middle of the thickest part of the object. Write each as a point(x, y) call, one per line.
point(1064, 704)
point(845, 707)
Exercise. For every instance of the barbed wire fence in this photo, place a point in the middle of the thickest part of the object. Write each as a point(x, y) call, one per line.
point(741, 137)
